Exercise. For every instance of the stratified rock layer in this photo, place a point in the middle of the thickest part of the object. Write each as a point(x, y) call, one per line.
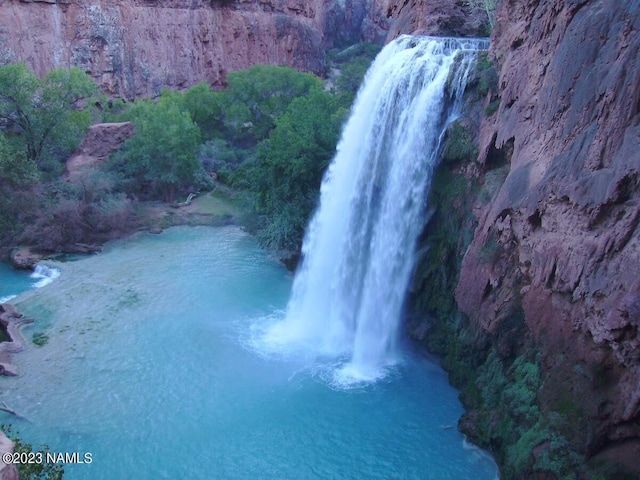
point(563, 229)
point(135, 48)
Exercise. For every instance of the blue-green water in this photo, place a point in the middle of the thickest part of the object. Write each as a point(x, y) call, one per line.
point(13, 282)
point(153, 366)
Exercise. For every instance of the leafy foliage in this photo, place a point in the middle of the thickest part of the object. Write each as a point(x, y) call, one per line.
point(290, 166)
point(458, 145)
point(162, 155)
point(42, 111)
point(352, 64)
point(17, 174)
point(257, 96)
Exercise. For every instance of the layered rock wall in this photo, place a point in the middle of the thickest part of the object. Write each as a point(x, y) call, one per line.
point(436, 17)
point(565, 221)
point(136, 47)
point(549, 276)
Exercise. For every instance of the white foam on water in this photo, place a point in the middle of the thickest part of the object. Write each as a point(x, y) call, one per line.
point(44, 275)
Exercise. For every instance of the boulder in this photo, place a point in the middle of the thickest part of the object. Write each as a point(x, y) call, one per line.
point(23, 258)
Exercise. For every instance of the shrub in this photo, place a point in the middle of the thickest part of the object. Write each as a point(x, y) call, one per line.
point(492, 107)
point(162, 155)
point(458, 145)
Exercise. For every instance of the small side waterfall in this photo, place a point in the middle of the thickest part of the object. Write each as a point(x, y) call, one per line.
point(44, 275)
point(359, 248)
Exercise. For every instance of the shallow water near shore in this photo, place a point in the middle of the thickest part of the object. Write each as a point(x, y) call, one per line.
point(152, 367)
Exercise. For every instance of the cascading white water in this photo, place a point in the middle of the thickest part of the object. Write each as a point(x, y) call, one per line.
point(358, 251)
point(44, 275)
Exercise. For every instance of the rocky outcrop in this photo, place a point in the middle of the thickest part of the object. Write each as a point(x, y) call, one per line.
point(135, 48)
point(349, 21)
point(98, 144)
point(10, 322)
point(436, 17)
point(24, 258)
point(559, 245)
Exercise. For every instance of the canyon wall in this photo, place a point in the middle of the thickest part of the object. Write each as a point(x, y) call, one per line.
point(137, 47)
point(545, 260)
point(564, 223)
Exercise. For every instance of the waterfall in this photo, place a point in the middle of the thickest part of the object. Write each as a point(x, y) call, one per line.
point(359, 249)
point(44, 275)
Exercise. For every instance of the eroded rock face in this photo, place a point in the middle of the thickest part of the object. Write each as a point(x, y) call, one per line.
point(435, 17)
point(98, 144)
point(135, 48)
point(562, 232)
point(349, 21)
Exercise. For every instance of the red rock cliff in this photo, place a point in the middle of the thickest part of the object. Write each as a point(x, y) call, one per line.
point(137, 47)
point(435, 17)
point(134, 48)
point(564, 225)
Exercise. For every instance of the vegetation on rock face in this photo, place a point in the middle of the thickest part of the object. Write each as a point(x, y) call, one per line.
point(499, 374)
point(487, 7)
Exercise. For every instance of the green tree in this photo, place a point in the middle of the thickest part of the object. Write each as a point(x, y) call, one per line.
point(351, 75)
point(17, 174)
point(257, 96)
point(42, 112)
point(162, 154)
point(205, 108)
point(15, 168)
point(291, 164)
